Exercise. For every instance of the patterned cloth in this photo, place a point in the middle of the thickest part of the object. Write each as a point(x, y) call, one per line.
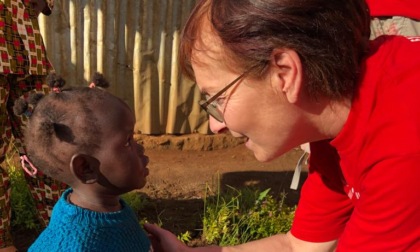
point(394, 25)
point(21, 46)
point(23, 68)
point(394, 17)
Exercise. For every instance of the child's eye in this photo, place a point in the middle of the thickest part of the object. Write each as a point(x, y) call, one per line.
point(128, 142)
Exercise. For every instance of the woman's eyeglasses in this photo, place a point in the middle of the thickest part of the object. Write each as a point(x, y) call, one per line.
point(210, 106)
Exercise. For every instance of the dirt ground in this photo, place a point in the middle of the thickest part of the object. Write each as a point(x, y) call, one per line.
point(181, 168)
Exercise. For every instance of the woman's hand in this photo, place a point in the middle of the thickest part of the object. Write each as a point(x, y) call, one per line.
point(163, 240)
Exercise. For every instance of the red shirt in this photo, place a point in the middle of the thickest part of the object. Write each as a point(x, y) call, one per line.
point(404, 8)
point(363, 187)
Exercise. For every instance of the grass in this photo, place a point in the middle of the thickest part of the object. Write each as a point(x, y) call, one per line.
point(23, 206)
point(240, 216)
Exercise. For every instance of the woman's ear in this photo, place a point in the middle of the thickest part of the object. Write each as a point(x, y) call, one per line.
point(85, 168)
point(288, 70)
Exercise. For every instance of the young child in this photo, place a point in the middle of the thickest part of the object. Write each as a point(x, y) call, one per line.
point(84, 137)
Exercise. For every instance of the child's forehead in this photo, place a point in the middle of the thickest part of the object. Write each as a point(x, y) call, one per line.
point(109, 103)
point(114, 112)
point(102, 110)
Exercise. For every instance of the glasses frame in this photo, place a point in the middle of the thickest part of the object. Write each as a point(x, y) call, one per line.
point(212, 110)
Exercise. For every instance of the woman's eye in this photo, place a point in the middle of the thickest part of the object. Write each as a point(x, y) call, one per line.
point(219, 101)
point(214, 104)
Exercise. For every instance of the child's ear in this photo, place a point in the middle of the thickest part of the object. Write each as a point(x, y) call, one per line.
point(85, 168)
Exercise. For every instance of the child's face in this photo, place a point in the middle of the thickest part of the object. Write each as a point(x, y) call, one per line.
point(122, 160)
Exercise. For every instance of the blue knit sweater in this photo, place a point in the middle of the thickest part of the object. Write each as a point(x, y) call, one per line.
point(73, 228)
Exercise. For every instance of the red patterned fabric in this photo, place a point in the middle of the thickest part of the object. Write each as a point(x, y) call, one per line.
point(23, 68)
point(22, 50)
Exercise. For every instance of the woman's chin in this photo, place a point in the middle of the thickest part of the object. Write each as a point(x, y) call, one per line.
point(259, 153)
point(263, 157)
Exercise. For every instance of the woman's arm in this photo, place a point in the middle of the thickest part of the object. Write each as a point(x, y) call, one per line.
point(165, 241)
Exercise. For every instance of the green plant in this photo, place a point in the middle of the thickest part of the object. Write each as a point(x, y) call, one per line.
point(137, 203)
point(185, 237)
point(134, 200)
point(244, 215)
point(24, 213)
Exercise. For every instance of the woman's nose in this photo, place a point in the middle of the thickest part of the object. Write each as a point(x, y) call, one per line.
point(217, 127)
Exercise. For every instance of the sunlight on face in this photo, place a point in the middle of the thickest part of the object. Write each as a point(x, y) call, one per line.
point(253, 108)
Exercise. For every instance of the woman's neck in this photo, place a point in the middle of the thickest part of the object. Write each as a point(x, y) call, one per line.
point(335, 117)
point(325, 119)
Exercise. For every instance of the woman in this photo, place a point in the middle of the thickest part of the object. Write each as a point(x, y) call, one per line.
point(308, 73)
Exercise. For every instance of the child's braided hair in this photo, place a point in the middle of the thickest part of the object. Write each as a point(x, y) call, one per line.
point(61, 123)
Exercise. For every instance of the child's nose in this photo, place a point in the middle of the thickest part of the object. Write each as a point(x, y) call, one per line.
point(140, 149)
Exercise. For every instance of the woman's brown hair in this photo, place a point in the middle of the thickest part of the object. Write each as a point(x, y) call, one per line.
point(330, 36)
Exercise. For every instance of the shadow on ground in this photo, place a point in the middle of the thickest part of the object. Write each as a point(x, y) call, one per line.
point(278, 182)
